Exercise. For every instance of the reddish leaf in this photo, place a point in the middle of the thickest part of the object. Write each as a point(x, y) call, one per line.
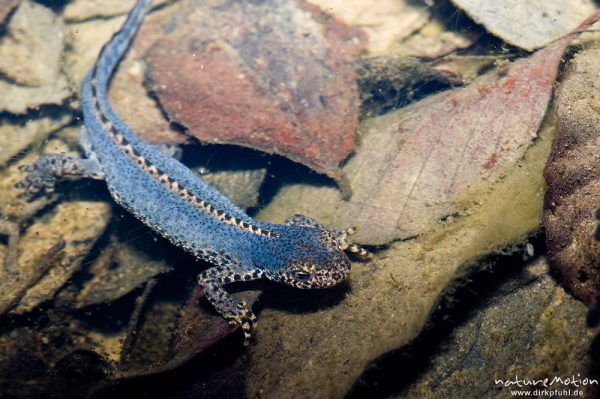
point(128, 95)
point(194, 332)
point(264, 75)
point(413, 164)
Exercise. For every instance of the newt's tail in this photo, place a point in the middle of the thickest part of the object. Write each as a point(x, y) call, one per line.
point(113, 51)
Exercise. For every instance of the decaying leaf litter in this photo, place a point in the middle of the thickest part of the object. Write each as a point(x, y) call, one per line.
point(573, 182)
point(463, 210)
point(414, 162)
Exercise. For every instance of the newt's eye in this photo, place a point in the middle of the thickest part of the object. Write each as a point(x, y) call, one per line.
point(302, 275)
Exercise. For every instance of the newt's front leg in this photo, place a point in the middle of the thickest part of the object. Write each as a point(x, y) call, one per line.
point(51, 168)
point(237, 314)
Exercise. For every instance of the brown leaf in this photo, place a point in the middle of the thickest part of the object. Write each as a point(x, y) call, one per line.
point(140, 112)
point(6, 6)
point(16, 282)
point(528, 24)
point(117, 272)
point(167, 338)
point(196, 331)
point(16, 137)
point(269, 76)
point(390, 22)
point(574, 180)
point(75, 226)
point(80, 10)
point(413, 164)
point(401, 28)
point(30, 60)
point(193, 332)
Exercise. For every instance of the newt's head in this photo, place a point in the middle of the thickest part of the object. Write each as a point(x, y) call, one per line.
point(315, 259)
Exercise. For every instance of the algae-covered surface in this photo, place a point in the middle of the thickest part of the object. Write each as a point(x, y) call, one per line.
point(439, 163)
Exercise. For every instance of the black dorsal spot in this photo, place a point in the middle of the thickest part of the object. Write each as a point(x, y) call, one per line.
point(102, 117)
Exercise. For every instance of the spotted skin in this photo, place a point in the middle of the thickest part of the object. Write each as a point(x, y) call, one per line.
point(173, 201)
point(42, 176)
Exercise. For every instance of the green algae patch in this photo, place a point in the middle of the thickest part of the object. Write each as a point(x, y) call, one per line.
point(388, 300)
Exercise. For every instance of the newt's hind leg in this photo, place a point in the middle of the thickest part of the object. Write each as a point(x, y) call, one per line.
point(212, 282)
point(49, 169)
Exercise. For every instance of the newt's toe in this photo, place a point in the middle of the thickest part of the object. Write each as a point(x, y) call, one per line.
point(244, 318)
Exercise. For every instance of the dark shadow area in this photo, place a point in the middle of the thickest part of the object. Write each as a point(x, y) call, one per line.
point(477, 286)
point(386, 84)
point(209, 158)
point(291, 299)
point(283, 171)
point(219, 370)
point(55, 5)
point(593, 321)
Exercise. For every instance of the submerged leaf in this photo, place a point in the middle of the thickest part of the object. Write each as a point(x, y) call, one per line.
point(386, 24)
point(266, 75)
point(392, 298)
point(182, 337)
point(72, 230)
point(414, 163)
point(30, 60)
point(529, 313)
point(116, 272)
point(528, 24)
point(6, 6)
point(16, 137)
point(401, 27)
